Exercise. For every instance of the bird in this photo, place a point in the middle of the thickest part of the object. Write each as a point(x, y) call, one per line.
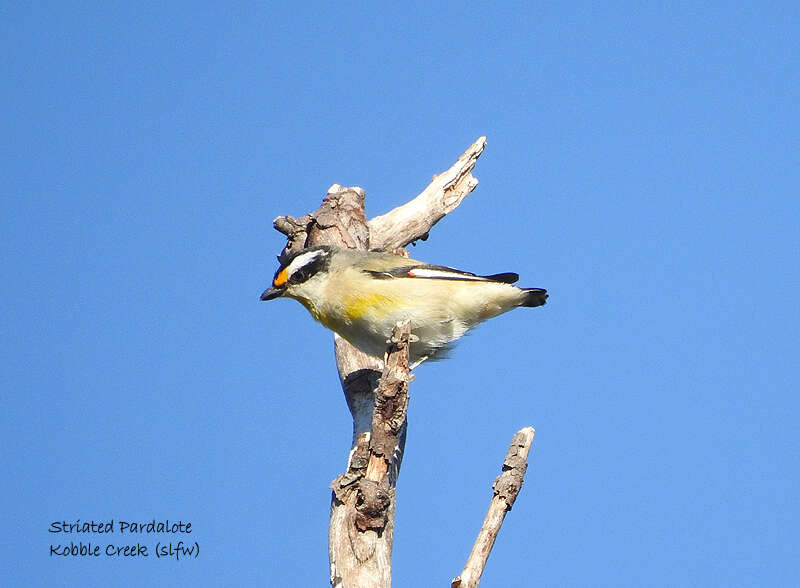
point(362, 295)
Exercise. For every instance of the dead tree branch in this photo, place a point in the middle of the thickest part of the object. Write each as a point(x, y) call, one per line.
point(364, 496)
point(413, 220)
point(506, 488)
point(363, 502)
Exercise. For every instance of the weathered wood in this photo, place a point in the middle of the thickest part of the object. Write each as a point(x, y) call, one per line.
point(339, 221)
point(413, 220)
point(362, 510)
point(506, 489)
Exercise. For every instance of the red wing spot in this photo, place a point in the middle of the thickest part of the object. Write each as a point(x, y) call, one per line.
point(411, 274)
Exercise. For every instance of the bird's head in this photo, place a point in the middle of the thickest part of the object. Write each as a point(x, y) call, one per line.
point(297, 271)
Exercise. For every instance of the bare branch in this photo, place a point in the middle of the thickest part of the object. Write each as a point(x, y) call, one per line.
point(362, 512)
point(358, 373)
point(506, 488)
point(359, 557)
point(413, 220)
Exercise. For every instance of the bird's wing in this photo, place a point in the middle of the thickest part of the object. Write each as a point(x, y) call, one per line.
point(439, 272)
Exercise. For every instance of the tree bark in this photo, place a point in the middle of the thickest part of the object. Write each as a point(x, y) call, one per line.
point(506, 489)
point(363, 502)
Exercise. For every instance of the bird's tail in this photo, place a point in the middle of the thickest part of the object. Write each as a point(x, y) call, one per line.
point(534, 297)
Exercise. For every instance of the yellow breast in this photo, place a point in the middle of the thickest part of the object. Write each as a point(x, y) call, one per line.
point(357, 307)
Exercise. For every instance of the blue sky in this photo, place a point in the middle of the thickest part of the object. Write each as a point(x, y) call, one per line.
point(642, 165)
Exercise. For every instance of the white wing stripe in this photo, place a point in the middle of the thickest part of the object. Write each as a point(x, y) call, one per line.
point(419, 272)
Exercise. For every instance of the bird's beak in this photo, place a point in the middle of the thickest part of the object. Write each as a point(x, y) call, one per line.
point(273, 292)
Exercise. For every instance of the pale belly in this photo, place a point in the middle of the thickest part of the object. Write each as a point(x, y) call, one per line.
point(367, 320)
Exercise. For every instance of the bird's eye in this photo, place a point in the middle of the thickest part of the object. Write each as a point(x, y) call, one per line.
point(300, 275)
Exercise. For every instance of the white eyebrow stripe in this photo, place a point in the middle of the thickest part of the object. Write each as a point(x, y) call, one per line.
point(419, 272)
point(301, 260)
